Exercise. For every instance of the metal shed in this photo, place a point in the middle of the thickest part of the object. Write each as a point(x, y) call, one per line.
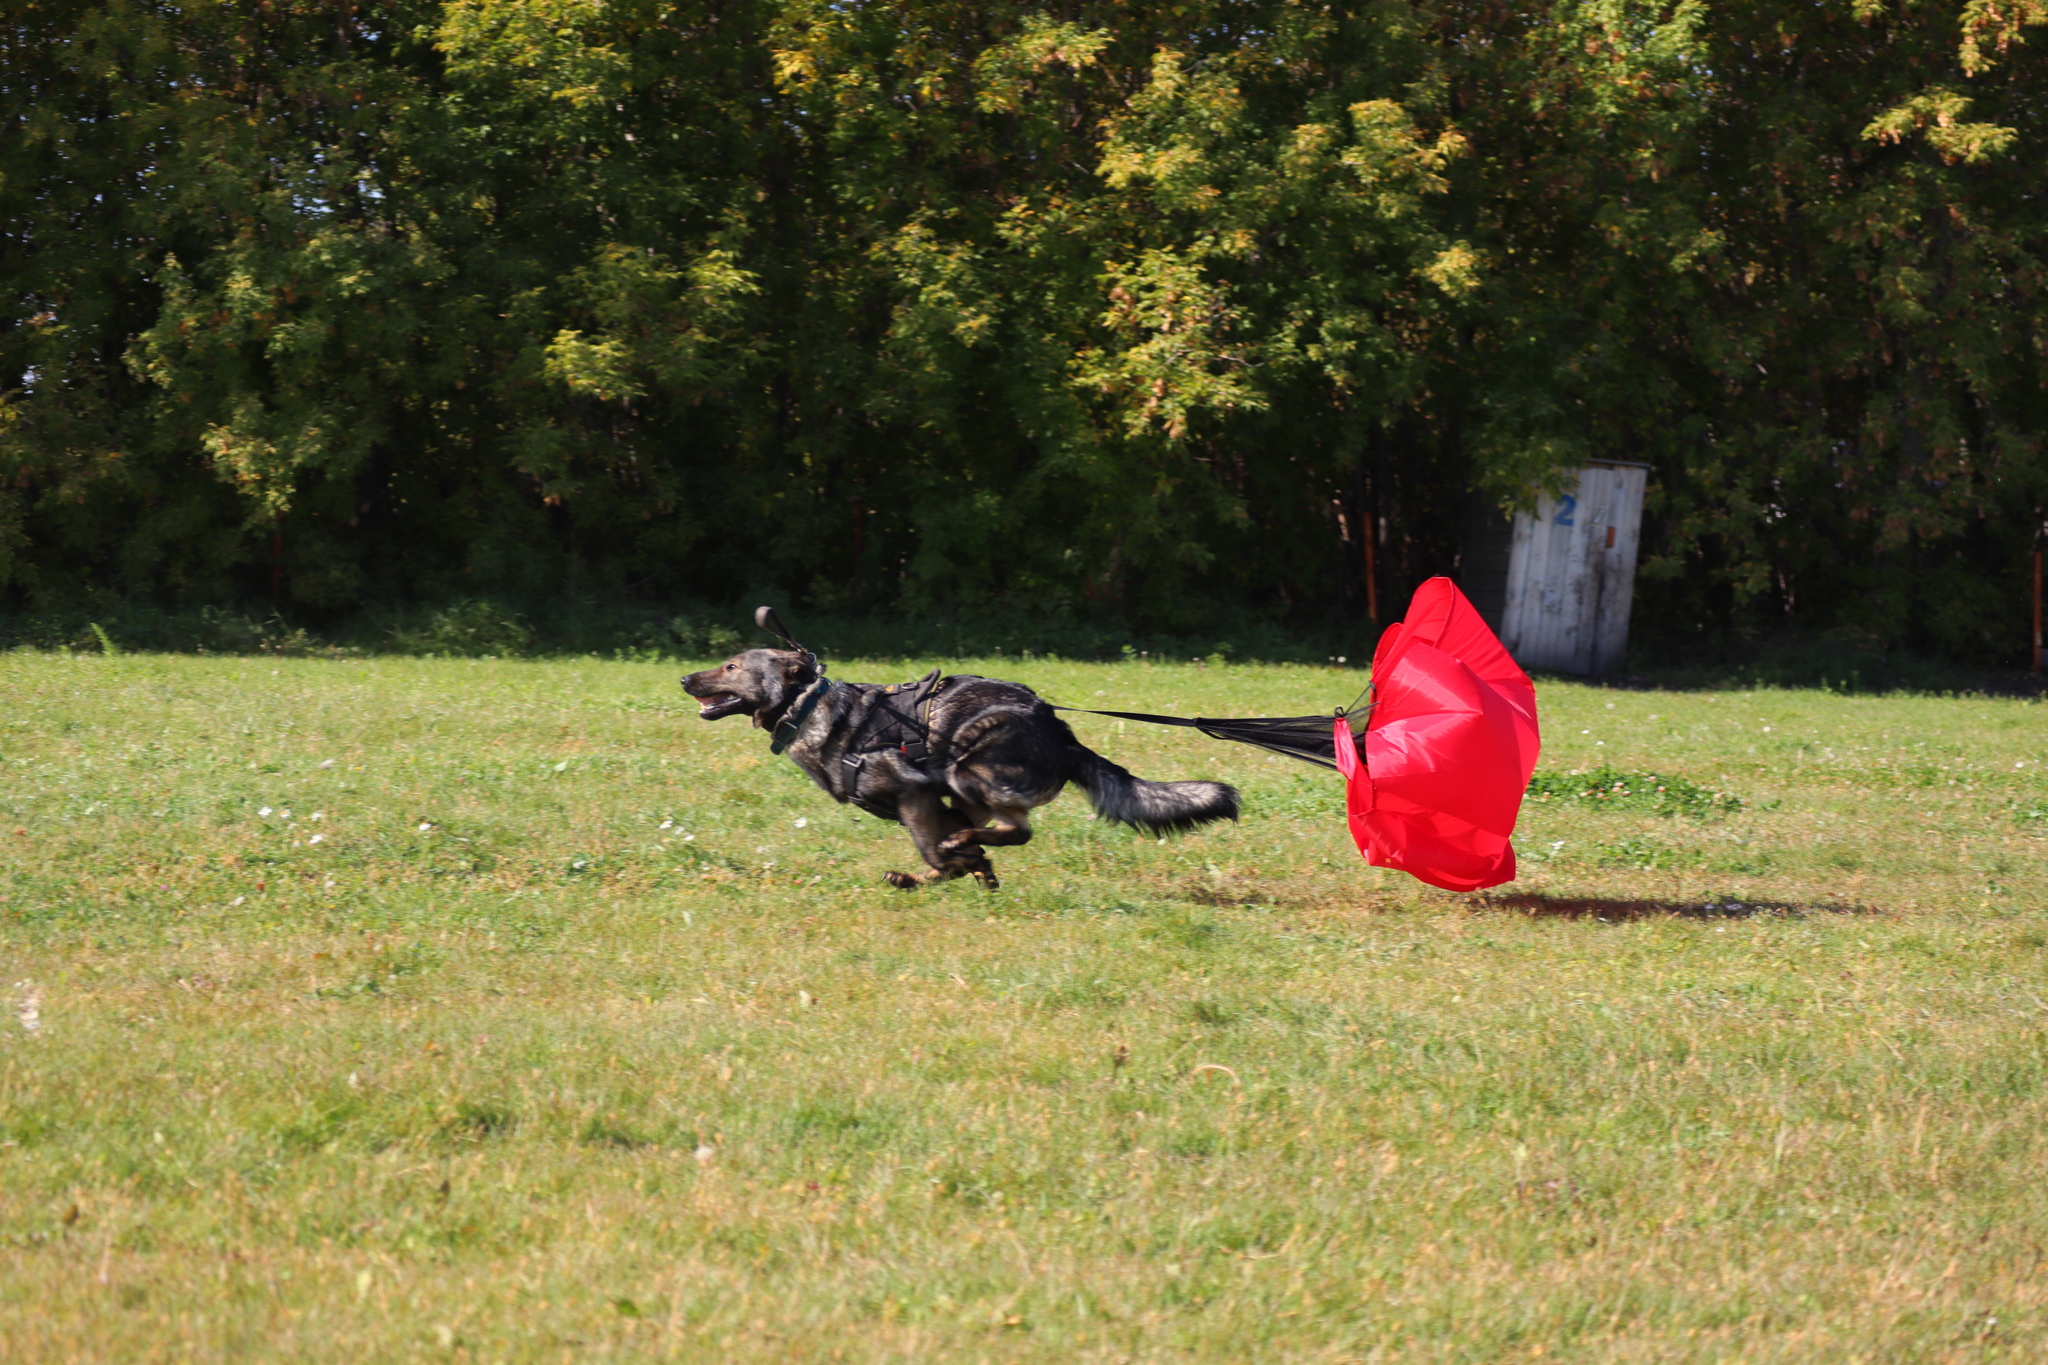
point(1571, 573)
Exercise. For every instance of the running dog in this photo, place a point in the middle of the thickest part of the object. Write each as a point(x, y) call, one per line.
point(959, 761)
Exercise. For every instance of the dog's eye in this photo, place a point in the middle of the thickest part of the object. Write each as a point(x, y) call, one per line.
point(731, 668)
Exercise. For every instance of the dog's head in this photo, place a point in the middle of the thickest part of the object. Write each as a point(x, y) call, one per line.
point(760, 682)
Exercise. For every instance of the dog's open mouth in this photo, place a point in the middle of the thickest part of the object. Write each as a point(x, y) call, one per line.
point(712, 705)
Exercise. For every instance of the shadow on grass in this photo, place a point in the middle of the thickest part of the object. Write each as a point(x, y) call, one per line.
point(1593, 907)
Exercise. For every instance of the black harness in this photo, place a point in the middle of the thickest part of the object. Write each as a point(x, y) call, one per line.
point(901, 720)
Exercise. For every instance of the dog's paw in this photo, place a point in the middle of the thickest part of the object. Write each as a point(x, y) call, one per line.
point(902, 881)
point(986, 875)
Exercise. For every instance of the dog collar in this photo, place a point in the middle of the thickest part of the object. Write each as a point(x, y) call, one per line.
point(786, 728)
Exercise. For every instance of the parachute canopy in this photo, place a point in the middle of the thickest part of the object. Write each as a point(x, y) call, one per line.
point(1434, 785)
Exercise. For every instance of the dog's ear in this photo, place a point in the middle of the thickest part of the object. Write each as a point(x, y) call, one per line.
point(798, 668)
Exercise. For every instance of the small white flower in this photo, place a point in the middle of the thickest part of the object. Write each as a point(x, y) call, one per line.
point(1599, 743)
point(667, 824)
point(689, 838)
point(264, 812)
point(562, 765)
point(30, 1010)
point(238, 900)
point(705, 1151)
point(316, 839)
point(318, 814)
point(760, 848)
point(284, 815)
point(1585, 732)
point(326, 762)
point(801, 822)
point(426, 825)
point(579, 863)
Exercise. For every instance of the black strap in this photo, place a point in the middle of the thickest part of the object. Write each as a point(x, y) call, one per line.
point(793, 720)
point(1312, 739)
point(1183, 721)
point(894, 722)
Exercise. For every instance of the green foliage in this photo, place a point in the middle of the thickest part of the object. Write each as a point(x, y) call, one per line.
point(1118, 313)
point(467, 628)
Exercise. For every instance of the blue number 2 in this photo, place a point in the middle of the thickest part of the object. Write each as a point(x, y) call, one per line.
point(1566, 507)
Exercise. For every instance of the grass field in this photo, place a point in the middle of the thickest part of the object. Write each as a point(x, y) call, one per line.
point(468, 1010)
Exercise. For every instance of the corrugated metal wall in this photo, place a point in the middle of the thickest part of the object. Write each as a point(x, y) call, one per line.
point(1571, 573)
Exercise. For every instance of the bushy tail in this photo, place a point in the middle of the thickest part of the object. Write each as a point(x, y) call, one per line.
point(1156, 807)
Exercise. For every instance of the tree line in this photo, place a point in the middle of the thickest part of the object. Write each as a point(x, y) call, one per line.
point(1147, 310)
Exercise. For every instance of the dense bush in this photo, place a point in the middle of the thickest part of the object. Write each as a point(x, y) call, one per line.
point(1132, 317)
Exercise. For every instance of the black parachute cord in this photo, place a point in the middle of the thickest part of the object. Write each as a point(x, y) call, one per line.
point(1262, 733)
point(1132, 715)
point(1278, 746)
point(1359, 713)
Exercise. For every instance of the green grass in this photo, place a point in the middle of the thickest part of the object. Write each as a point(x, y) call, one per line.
point(586, 1031)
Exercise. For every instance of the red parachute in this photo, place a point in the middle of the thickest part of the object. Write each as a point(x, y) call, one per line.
point(1448, 751)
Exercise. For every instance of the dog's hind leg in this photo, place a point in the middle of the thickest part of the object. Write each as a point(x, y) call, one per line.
point(998, 827)
point(931, 824)
point(991, 827)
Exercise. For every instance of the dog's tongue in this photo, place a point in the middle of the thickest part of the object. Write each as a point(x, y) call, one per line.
point(715, 699)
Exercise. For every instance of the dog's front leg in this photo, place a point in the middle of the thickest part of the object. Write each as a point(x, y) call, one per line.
point(925, 815)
